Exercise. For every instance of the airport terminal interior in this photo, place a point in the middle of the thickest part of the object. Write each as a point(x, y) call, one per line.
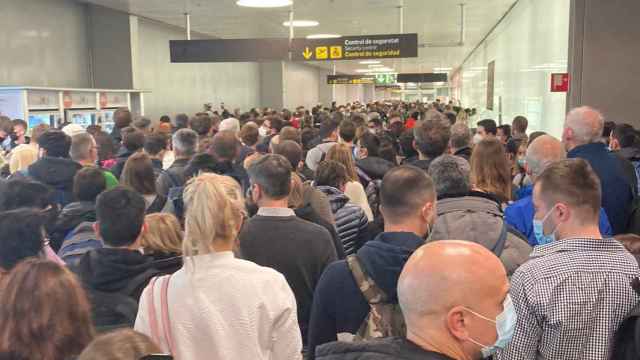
point(319, 179)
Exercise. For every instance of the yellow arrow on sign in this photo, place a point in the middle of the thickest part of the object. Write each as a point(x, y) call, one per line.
point(307, 53)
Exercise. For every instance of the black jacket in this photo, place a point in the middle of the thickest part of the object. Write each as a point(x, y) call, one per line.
point(464, 153)
point(308, 213)
point(351, 221)
point(421, 164)
point(374, 167)
point(58, 173)
point(382, 349)
point(70, 217)
point(115, 278)
point(121, 159)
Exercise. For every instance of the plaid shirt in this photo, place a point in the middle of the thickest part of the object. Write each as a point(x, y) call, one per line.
point(570, 298)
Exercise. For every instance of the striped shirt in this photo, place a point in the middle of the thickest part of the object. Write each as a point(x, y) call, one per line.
point(571, 297)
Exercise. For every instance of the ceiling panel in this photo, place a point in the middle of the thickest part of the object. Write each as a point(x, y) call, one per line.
point(436, 22)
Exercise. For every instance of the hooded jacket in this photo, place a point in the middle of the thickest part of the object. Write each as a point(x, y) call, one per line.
point(70, 217)
point(338, 304)
point(115, 278)
point(57, 173)
point(374, 167)
point(117, 270)
point(480, 220)
point(351, 221)
point(382, 349)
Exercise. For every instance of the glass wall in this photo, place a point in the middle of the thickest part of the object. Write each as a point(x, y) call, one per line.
point(528, 46)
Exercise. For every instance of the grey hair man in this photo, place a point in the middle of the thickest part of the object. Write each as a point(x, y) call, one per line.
point(542, 152)
point(450, 175)
point(185, 145)
point(471, 215)
point(460, 140)
point(581, 137)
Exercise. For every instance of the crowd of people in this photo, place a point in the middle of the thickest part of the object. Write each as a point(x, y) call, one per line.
point(389, 230)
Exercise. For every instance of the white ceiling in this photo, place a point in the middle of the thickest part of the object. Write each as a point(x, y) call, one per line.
point(435, 21)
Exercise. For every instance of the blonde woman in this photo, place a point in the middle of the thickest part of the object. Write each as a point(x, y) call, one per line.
point(353, 189)
point(217, 306)
point(163, 238)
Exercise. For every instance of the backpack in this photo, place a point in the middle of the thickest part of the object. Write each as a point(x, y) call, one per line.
point(157, 204)
point(372, 191)
point(626, 342)
point(78, 242)
point(384, 319)
point(633, 222)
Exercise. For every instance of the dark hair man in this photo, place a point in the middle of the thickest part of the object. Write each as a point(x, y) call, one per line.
point(155, 145)
point(132, 142)
point(577, 320)
point(408, 203)
point(431, 139)
point(115, 275)
point(54, 167)
point(22, 237)
point(504, 133)
point(276, 238)
point(329, 136)
point(487, 129)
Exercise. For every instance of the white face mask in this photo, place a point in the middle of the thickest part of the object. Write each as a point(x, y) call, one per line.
point(477, 138)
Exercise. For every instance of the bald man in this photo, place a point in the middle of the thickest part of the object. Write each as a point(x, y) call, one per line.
point(443, 321)
point(581, 137)
point(542, 152)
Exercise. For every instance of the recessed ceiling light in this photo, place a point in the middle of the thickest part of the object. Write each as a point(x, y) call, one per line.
point(323, 36)
point(264, 3)
point(301, 23)
point(369, 62)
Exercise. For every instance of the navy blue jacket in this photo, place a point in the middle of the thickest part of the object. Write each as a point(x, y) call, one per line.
point(338, 304)
point(617, 193)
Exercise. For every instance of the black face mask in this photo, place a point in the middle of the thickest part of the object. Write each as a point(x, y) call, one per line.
point(14, 136)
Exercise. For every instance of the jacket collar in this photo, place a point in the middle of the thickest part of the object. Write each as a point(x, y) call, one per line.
point(587, 149)
point(469, 203)
point(578, 244)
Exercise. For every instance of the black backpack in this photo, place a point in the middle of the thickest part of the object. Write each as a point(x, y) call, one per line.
point(626, 343)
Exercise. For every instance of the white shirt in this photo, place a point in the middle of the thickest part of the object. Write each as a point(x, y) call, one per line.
point(221, 307)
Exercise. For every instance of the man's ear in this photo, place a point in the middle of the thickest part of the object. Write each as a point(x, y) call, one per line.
point(456, 324)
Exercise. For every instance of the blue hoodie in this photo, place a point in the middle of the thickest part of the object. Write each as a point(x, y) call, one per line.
point(338, 304)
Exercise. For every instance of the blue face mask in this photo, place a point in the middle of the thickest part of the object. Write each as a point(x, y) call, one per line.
point(505, 326)
point(538, 230)
point(521, 162)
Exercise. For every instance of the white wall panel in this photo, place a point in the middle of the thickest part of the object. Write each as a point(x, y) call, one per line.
point(43, 43)
point(529, 45)
point(185, 88)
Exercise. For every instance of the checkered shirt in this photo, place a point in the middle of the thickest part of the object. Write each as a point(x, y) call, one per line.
point(570, 298)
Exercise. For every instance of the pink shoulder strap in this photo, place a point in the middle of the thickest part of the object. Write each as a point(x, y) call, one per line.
point(164, 307)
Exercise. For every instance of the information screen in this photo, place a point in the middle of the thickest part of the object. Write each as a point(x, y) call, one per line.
point(83, 119)
point(37, 119)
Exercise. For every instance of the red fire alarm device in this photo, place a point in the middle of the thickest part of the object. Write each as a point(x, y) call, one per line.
point(560, 82)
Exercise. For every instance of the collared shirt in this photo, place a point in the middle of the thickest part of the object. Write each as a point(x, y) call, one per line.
point(520, 215)
point(571, 297)
point(278, 212)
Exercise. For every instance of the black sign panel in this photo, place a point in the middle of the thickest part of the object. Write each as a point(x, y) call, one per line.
point(422, 78)
point(228, 50)
point(355, 47)
point(350, 79)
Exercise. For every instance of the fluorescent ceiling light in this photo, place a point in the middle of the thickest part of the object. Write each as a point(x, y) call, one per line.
point(442, 69)
point(377, 70)
point(301, 23)
point(323, 36)
point(264, 3)
point(376, 65)
point(369, 62)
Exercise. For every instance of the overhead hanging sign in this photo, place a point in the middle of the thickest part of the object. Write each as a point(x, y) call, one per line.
point(228, 50)
point(355, 47)
point(386, 78)
point(422, 78)
point(350, 79)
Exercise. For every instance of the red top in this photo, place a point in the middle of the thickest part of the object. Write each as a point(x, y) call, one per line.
point(411, 122)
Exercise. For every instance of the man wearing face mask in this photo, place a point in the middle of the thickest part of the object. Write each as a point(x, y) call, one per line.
point(542, 152)
point(574, 292)
point(487, 129)
point(443, 321)
point(340, 308)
